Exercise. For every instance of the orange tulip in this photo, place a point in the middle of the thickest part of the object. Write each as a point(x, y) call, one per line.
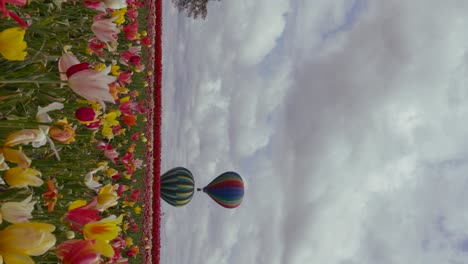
point(63, 132)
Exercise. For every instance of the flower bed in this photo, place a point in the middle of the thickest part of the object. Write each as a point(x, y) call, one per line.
point(80, 111)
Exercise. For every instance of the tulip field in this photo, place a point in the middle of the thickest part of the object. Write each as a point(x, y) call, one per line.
point(80, 111)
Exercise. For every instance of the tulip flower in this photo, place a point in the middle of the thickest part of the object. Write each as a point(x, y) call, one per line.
point(82, 215)
point(86, 115)
point(133, 251)
point(12, 44)
point(136, 136)
point(89, 179)
point(20, 241)
point(131, 31)
point(16, 156)
point(146, 41)
point(13, 2)
point(62, 132)
point(105, 29)
point(17, 212)
point(120, 14)
point(91, 84)
point(125, 78)
point(3, 165)
point(102, 232)
point(78, 251)
point(21, 137)
point(127, 54)
point(24, 137)
point(43, 117)
point(115, 4)
point(107, 197)
point(96, 46)
point(95, 4)
point(109, 152)
point(129, 120)
point(66, 61)
point(51, 195)
point(132, 14)
point(20, 178)
point(135, 194)
point(94, 125)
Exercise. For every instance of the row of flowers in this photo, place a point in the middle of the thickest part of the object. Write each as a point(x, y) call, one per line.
point(72, 131)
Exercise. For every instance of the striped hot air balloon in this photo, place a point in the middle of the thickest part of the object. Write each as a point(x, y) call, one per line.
point(177, 186)
point(227, 189)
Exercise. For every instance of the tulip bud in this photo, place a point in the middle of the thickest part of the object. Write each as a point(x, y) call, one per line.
point(85, 114)
point(62, 132)
point(94, 125)
point(70, 234)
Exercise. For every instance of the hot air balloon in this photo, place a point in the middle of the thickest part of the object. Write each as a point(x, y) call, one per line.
point(227, 189)
point(177, 186)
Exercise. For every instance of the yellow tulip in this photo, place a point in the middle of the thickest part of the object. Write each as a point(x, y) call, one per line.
point(17, 212)
point(120, 14)
point(19, 241)
point(102, 232)
point(77, 204)
point(137, 210)
point(100, 67)
point(128, 241)
point(115, 70)
point(21, 137)
point(16, 156)
point(12, 44)
point(18, 177)
point(107, 197)
point(24, 137)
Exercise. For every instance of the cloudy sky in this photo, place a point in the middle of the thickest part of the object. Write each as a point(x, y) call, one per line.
point(348, 120)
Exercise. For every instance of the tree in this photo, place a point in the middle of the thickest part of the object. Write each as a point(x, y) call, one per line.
point(193, 8)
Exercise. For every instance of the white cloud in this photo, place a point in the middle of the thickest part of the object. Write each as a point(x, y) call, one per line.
point(352, 146)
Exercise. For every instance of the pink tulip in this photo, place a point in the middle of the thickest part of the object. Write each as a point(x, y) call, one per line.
point(132, 14)
point(104, 29)
point(91, 84)
point(96, 46)
point(112, 154)
point(94, 125)
point(131, 31)
point(65, 62)
point(95, 5)
point(127, 54)
point(125, 78)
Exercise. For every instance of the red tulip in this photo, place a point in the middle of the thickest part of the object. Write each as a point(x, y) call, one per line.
point(85, 114)
point(78, 252)
point(83, 215)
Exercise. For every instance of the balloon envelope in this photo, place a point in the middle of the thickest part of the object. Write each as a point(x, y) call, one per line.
point(177, 186)
point(227, 189)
